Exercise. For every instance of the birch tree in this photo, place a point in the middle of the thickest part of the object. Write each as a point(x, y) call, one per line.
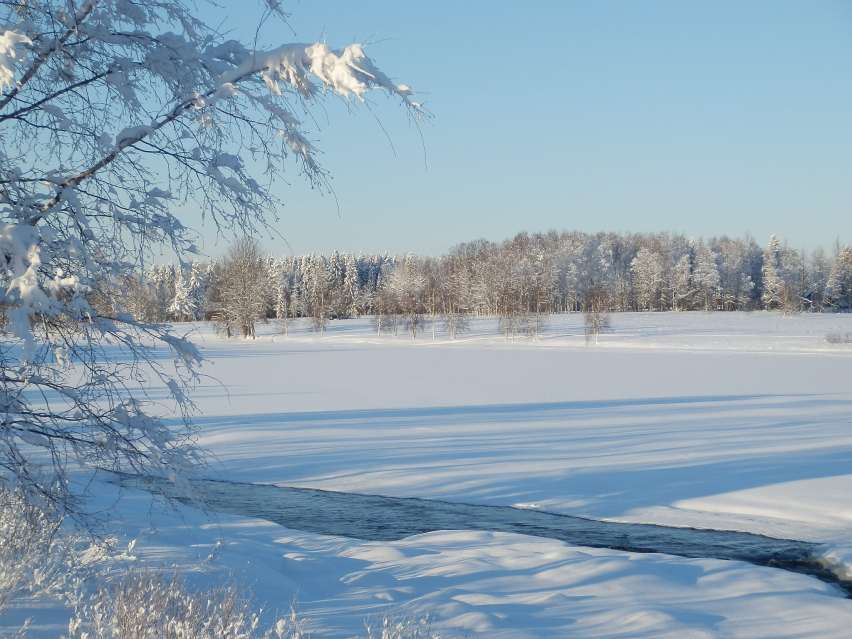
point(682, 290)
point(706, 278)
point(242, 289)
point(596, 313)
point(115, 117)
point(647, 268)
point(407, 283)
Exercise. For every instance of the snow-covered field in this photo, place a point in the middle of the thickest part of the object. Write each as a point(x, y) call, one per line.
point(727, 420)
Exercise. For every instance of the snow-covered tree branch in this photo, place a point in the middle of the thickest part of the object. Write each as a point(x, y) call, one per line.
point(115, 116)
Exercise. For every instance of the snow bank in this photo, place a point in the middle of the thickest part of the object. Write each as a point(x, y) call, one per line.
point(838, 559)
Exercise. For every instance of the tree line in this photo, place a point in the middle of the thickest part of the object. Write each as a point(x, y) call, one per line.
point(519, 281)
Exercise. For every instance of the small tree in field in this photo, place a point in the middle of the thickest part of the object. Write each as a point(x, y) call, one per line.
point(242, 289)
point(386, 310)
point(455, 323)
point(115, 116)
point(407, 284)
point(596, 313)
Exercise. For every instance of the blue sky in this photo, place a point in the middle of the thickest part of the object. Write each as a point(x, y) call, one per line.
point(704, 118)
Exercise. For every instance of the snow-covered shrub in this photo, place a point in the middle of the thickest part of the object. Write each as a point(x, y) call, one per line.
point(148, 605)
point(839, 338)
point(406, 628)
point(38, 558)
point(34, 557)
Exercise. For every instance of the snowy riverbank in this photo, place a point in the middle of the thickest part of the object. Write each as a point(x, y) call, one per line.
point(727, 420)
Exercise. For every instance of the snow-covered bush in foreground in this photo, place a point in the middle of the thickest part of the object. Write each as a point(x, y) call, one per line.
point(390, 628)
point(34, 558)
point(147, 605)
point(37, 558)
point(40, 559)
point(114, 117)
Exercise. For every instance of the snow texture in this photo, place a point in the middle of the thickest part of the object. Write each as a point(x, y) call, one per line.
point(730, 421)
point(8, 41)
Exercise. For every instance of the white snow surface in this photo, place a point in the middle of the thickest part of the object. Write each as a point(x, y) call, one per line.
point(729, 420)
point(8, 41)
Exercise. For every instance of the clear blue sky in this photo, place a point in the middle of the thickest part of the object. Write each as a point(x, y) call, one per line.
point(705, 118)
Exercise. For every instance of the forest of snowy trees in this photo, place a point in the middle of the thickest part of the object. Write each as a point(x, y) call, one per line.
point(518, 281)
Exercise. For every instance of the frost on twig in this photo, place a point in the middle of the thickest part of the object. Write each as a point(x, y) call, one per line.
point(115, 118)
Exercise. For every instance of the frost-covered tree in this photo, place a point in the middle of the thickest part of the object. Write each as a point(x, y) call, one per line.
point(839, 285)
point(773, 284)
point(647, 269)
point(736, 284)
point(242, 289)
point(596, 305)
point(817, 274)
point(162, 279)
point(351, 286)
point(792, 272)
point(336, 272)
point(705, 277)
point(137, 297)
point(318, 291)
point(744, 293)
point(407, 284)
point(682, 290)
point(282, 278)
point(181, 307)
point(115, 116)
point(190, 293)
point(523, 279)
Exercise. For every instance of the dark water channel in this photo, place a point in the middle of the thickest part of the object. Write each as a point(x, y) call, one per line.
point(377, 518)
